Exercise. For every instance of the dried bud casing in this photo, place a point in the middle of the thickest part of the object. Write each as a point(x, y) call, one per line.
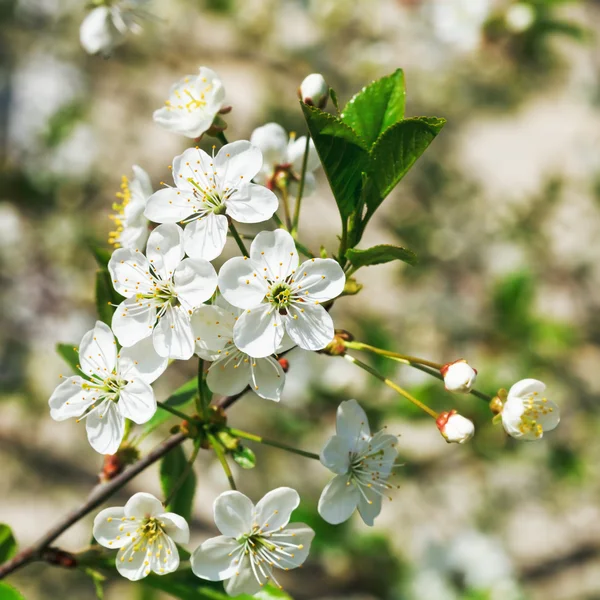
point(314, 91)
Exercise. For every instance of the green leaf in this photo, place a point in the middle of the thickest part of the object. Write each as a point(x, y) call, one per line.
point(181, 397)
point(378, 255)
point(106, 296)
point(343, 156)
point(172, 467)
point(8, 544)
point(244, 457)
point(69, 354)
point(376, 107)
point(395, 152)
point(8, 592)
point(334, 99)
point(102, 255)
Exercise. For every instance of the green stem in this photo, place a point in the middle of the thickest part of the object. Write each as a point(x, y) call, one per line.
point(256, 438)
point(221, 137)
point(395, 355)
point(214, 442)
point(392, 385)
point(285, 197)
point(184, 474)
point(173, 411)
point(201, 403)
point(301, 187)
point(343, 244)
point(238, 239)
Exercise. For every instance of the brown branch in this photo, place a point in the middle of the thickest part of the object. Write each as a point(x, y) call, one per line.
point(97, 497)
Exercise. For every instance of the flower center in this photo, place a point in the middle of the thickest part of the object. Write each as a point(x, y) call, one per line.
point(280, 295)
point(151, 529)
point(186, 100)
point(533, 409)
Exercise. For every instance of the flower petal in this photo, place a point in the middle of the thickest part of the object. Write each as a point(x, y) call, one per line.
point(274, 253)
point(130, 272)
point(259, 331)
point(336, 454)
point(310, 326)
point(98, 351)
point(526, 387)
point(105, 428)
point(243, 581)
point(195, 282)
point(252, 204)
point(213, 329)
point(165, 556)
point(98, 33)
point(275, 508)
point(111, 524)
point(170, 205)
point(141, 186)
point(338, 500)
point(320, 279)
point(133, 321)
point(370, 507)
point(241, 284)
point(132, 564)
point(142, 506)
point(70, 399)
point(137, 401)
point(206, 237)
point(296, 155)
point(551, 418)
point(230, 374)
point(267, 378)
point(143, 360)
point(238, 162)
point(165, 249)
point(173, 336)
point(352, 422)
point(272, 140)
point(215, 559)
point(176, 527)
point(233, 514)
point(297, 534)
point(190, 168)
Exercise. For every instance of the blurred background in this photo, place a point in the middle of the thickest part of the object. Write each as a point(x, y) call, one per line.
point(503, 211)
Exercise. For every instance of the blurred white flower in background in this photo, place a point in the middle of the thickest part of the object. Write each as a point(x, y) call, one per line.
point(519, 17)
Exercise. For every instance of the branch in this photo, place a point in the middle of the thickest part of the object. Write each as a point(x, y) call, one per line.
point(97, 497)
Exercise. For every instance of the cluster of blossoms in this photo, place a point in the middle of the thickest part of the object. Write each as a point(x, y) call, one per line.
point(241, 320)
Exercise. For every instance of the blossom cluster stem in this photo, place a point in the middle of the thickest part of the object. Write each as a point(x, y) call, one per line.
point(216, 445)
point(222, 138)
point(296, 219)
point(392, 385)
point(256, 438)
point(173, 411)
point(238, 239)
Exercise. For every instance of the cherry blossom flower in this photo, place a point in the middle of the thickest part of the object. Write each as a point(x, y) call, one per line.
point(283, 157)
point(279, 296)
point(362, 462)
point(459, 376)
point(206, 189)
point(455, 428)
point(255, 541)
point(144, 534)
point(314, 90)
point(161, 291)
point(194, 102)
point(105, 27)
point(116, 387)
point(233, 371)
point(526, 413)
point(131, 227)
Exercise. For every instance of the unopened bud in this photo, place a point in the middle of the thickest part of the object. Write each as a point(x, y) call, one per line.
point(114, 464)
point(285, 364)
point(455, 428)
point(459, 376)
point(314, 91)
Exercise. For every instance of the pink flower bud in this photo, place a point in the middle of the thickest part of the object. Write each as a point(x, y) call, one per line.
point(455, 428)
point(459, 376)
point(314, 91)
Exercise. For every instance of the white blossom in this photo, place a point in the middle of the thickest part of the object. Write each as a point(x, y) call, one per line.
point(455, 428)
point(255, 541)
point(194, 102)
point(314, 90)
point(207, 188)
point(131, 226)
point(362, 462)
point(459, 376)
point(162, 290)
point(105, 27)
point(279, 296)
point(526, 413)
point(519, 17)
point(116, 387)
point(283, 156)
point(144, 534)
point(232, 370)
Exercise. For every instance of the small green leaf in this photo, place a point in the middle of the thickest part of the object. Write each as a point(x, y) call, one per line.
point(376, 107)
point(106, 296)
point(102, 255)
point(334, 100)
point(8, 592)
point(244, 457)
point(8, 544)
point(69, 354)
point(172, 468)
point(377, 255)
point(395, 152)
point(181, 397)
point(343, 156)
